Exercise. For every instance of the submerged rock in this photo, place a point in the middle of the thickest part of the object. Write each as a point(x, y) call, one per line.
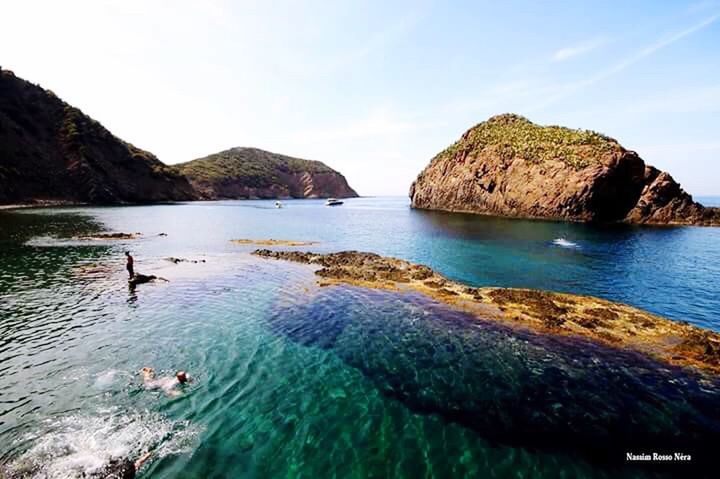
point(93, 270)
point(509, 166)
point(273, 242)
point(111, 236)
point(536, 391)
point(175, 260)
point(141, 279)
point(613, 324)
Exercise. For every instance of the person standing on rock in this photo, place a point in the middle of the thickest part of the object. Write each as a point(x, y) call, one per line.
point(130, 264)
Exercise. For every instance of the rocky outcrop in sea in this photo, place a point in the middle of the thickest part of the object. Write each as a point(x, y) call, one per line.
point(509, 166)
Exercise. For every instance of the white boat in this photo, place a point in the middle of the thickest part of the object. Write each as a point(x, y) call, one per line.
point(333, 202)
point(278, 204)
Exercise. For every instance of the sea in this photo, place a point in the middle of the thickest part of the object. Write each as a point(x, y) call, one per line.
point(294, 380)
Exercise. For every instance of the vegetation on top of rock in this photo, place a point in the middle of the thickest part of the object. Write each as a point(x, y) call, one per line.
point(509, 166)
point(514, 136)
point(251, 166)
point(254, 173)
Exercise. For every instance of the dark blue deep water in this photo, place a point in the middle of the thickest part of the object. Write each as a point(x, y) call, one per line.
point(293, 380)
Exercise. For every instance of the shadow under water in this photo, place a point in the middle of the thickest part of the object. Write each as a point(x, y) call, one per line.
point(523, 389)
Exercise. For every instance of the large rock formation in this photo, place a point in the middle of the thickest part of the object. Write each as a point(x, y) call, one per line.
point(509, 166)
point(254, 173)
point(51, 151)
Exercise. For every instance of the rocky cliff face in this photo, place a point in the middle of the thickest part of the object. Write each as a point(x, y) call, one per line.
point(51, 151)
point(508, 166)
point(253, 173)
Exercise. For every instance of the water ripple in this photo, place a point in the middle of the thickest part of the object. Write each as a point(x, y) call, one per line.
point(292, 379)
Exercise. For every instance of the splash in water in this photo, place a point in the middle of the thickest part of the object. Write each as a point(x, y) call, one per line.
point(80, 445)
point(565, 243)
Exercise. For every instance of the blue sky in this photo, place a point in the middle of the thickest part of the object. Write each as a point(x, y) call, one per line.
point(375, 89)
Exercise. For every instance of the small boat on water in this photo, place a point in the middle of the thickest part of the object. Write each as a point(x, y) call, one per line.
point(333, 202)
point(278, 204)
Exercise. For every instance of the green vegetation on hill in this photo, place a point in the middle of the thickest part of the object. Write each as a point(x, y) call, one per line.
point(249, 166)
point(52, 151)
point(514, 136)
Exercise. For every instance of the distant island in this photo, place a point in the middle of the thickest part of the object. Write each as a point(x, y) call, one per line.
point(52, 153)
point(254, 173)
point(509, 166)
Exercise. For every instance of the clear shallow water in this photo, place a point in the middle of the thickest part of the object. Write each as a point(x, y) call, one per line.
point(296, 381)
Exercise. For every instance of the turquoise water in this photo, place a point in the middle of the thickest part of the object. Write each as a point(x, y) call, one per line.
point(293, 380)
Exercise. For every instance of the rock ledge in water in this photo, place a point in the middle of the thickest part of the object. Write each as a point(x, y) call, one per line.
point(111, 236)
point(613, 324)
point(175, 260)
point(142, 279)
point(273, 242)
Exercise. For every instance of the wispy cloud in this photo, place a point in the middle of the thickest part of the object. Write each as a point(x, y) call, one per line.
point(377, 123)
point(671, 39)
point(378, 42)
point(649, 50)
point(571, 88)
point(578, 50)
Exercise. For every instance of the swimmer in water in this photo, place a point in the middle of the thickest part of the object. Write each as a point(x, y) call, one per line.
point(115, 468)
point(122, 468)
point(168, 384)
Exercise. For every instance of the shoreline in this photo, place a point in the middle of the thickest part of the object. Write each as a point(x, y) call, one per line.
point(613, 324)
point(65, 203)
point(556, 219)
point(40, 204)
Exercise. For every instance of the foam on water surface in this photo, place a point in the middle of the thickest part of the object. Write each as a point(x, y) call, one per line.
point(565, 243)
point(76, 445)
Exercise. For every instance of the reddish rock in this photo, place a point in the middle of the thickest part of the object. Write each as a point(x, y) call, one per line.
point(508, 166)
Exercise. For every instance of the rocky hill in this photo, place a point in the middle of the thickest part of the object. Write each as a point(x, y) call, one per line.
point(509, 166)
point(52, 152)
point(254, 173)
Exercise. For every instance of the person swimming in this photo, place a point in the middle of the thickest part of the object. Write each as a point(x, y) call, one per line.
point(168, 384)
point(121, 468)
point(115, 468)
